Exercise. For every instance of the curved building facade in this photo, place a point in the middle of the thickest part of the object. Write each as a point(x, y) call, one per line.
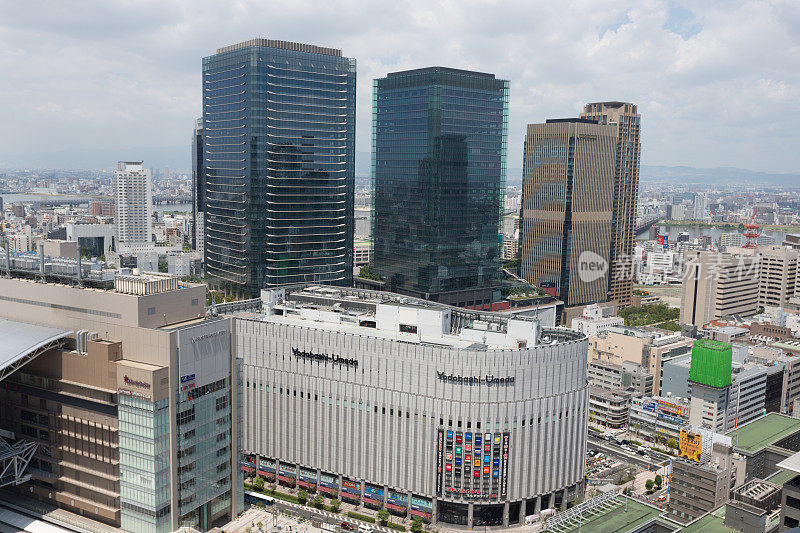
point(279, 164)
point(424, 409)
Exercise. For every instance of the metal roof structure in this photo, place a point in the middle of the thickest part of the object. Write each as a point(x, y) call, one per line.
point(14, 459)
point(23, 342)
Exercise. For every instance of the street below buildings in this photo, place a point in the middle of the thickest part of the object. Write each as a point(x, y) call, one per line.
point(656, 459)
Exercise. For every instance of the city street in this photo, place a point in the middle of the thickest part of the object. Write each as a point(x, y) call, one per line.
point(656, 461)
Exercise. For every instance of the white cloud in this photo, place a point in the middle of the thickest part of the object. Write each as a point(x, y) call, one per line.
point(716, 82)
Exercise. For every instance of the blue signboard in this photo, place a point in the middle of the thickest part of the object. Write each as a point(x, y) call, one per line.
point(397, 498)
point(421, 504)
point(373, 491)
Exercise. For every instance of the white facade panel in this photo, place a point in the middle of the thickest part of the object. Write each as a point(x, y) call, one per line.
point(377, 419)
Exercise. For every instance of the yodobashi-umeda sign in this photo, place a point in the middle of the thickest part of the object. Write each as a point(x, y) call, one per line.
point(475, 380)
point(324, 358)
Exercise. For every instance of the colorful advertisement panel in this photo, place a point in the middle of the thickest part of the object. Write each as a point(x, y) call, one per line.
point(397, 501)
point(422, 507)
point(266, 468)
point(473, 467)
point(351, 490)
point(690, 445)
point(328, 480)
point(328, 483)
point(287, 473)
point(396, 497)
point(439, 455)
point(373, 495)
point(248, 463)
point(504, 466)
point(673, 408)
point(308, 478)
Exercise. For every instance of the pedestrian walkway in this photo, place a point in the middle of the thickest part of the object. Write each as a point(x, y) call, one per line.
point(338, 516)
point(295, 518)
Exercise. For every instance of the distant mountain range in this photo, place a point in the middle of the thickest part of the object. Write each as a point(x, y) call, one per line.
point(178, 158)
point(716, 176)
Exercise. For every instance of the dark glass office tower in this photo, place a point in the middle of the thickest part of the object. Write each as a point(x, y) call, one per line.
point(198, 186)
point(439, 168)
point(279, 143)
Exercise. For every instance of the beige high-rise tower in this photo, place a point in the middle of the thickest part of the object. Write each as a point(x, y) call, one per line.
point(716, 285)
point(626, 190)
point(134, 203)
point(567, 202)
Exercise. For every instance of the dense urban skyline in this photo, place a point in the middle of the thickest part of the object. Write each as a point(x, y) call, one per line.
point(494, 323)
point(716, 92)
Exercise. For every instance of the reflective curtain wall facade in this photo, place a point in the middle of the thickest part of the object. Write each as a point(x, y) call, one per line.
point(438, 169)
point(567, 200)
point(205, 445)
point(144, 465)
point(279, 141)
point(626, 192)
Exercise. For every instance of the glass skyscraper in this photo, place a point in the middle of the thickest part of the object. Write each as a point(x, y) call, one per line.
point(279, 147)
point(439, 168)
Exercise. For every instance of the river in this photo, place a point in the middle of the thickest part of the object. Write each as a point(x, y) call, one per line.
point(9, 198)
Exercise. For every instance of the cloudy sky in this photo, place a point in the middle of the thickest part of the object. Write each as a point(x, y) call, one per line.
point(716, 82)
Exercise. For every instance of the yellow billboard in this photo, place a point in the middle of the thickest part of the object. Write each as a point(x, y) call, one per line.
point(690, 445)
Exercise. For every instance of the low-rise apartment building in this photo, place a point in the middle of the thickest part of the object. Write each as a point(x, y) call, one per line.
point(609, 407)
point(697, 488)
